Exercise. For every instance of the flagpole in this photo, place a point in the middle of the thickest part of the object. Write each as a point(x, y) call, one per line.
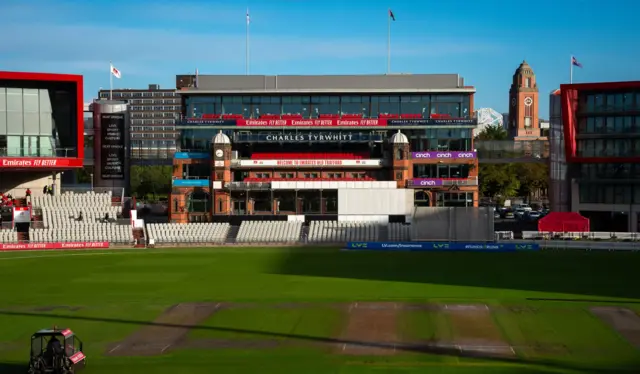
point(247, 46)
point(389, 44)
point(571, 70)
point(110, 80)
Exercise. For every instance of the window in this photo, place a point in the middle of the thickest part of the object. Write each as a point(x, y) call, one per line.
point(355, 105)
point(325, 105)
point(527, 82)
point(527, 122)
point(399, 176)
point(220, 205)
point(219, 176)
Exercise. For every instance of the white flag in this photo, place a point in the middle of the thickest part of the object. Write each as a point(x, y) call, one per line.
point(115, 72)
point(248, 18)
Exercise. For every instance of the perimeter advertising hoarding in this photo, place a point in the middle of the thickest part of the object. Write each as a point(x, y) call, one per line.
point(112, 132)
point(330, 122)
point(443, 155)
point(39, 162)
point(310, 163)
point(442, 246)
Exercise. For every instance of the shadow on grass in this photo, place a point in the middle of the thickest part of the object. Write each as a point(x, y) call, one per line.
point(13, 368)
point(601, 274)
point(546, 365)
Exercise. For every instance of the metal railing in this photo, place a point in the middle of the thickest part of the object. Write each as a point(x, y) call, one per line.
point(38, 152)
point(248, 185)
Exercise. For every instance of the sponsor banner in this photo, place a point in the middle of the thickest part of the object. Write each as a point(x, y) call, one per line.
point(308, 137)
point(21, 214)
point(426, 182)
point(329, 122)
point(191, 155)
point(190, 183)
point(317, 122)
point(112, 152)
point(433, 122)
point(443, 246)
point(443, 155)
point(310, 163)
point(39, 162)
point(54, 245)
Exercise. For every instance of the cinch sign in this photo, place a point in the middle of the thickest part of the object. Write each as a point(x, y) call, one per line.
point(444, 155)
point(23, 162)
point(310, 163)
point(427, 182)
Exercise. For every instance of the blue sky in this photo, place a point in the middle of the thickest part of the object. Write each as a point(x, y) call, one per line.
point(484, 41)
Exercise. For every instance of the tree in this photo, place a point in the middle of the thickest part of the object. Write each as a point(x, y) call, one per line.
point(496, 179)
point(493, 132)
point(534, 179)
point(151, 180)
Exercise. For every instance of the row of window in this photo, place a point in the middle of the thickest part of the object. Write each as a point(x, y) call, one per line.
point(441, 171)
point(170, 115)
point(167, 144)
point(609, 125)
point(127, 94)
point(157, 108)
point(613, 102)
point(153, 121)
point(608, 148)
point(160, 135)
point(610, 171)
point(154, 101)
point(593, 193)
point(457, 106)
point(34, 146)
point(153, 128)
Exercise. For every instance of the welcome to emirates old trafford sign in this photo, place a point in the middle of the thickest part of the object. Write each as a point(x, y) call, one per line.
point(39, 162)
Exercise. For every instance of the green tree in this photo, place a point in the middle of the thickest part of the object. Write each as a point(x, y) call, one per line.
point(493, 133)
point(151, 181)
point(534, 179)
point(496, 179)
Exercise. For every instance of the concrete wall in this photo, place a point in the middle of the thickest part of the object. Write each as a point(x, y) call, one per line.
point(452, 224)
point(375, 202)
point(17, 182)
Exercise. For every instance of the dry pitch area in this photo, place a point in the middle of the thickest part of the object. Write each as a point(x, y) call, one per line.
point(365, 329)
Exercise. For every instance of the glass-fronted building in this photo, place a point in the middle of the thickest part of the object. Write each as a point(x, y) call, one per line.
point(601, 124)
point(285, 121)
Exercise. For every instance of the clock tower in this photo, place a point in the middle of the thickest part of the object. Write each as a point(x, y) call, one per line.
point(523, 105)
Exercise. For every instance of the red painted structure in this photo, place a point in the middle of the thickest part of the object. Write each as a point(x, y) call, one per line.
point(48, 163)
point(570, 95)
point(563, 222)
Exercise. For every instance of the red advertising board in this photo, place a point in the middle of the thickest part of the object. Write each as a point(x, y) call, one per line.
point(39, 162)
point(325, 122)
point(54, 245)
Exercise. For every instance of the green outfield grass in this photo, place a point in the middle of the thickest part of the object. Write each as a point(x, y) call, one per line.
point(294, 297)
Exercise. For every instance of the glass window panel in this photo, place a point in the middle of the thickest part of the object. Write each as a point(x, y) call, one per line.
point(591, 125)
point(610, 126)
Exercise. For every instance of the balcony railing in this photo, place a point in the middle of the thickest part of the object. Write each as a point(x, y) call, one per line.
point(35, 152)
point(248, 185)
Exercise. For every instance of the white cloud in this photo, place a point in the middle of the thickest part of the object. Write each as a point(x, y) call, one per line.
point(50, 37)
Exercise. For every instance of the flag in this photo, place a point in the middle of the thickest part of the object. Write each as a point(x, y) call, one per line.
point(115, 72)
point(248, 18)
point(575, 62)
point(393, 18)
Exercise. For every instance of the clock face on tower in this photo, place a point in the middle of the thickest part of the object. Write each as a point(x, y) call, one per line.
point(513, 101)
point(528, 101)
point(219, 153)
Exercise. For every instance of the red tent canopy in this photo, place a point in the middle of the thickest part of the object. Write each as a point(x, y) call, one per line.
point(563, 222)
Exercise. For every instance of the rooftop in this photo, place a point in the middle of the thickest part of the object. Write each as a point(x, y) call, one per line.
point(393, 83)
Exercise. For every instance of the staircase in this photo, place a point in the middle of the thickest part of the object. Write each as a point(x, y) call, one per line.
point(138, 237)
point(23, 237)
point(233, 234)
point(383, 233)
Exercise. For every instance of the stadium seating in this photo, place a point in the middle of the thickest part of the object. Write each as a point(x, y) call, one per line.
point(8, 236)
point(269, 232)
point(60, 216)
point(399, 232)
point(338, 232)
point(202, 232)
